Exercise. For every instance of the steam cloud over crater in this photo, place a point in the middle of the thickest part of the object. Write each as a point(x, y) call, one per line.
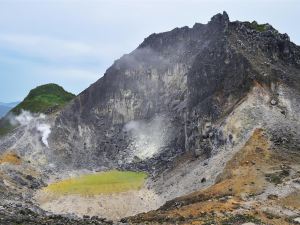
point(147, 138)
point(35, 121)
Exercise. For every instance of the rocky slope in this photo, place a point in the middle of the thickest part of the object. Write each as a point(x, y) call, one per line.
point(260, 184)
point(165, 97)
point(192, 107)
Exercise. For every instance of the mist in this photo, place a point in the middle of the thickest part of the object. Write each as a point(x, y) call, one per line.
point(34, 120)
point(147, 138)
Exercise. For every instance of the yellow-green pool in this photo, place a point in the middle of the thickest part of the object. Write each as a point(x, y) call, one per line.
point(112, 181)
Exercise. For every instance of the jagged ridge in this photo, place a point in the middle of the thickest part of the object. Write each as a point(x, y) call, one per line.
point(188, 75)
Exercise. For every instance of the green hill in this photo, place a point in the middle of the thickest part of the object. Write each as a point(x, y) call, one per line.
point(44, 99)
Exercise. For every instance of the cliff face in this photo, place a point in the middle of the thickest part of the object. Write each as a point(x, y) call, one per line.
point(170, 95)
point(241, 58)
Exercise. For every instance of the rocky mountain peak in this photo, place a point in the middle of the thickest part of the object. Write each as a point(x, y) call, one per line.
point(182, 78)
point(220, 18)
point(154, 104)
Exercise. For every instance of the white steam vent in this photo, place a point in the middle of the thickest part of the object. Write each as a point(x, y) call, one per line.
point(34, 122)
point(45, 131)
point(23, 119)
point(147, 137)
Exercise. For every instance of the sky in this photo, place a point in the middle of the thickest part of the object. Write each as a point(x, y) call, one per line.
point(72, 42)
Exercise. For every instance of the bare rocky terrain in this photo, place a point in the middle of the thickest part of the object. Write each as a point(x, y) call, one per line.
point(211, 113)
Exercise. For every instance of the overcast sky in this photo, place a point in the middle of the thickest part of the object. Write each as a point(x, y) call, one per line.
point(72, 43)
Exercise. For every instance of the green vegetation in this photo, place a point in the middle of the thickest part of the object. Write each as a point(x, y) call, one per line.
point(47, 99)
point(258, 27)
point(234, 220)
point(240, 219)
point(44, 99)
point(5, 127)
point(277, 177)
point(99, 183)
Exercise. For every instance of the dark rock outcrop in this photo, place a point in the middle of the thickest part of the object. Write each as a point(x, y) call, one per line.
point(18, 214)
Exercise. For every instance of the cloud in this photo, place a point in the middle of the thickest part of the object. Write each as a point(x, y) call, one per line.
point(45, 47)
point(59, 51)
point(29, 74)
point(54, 71)
point(76, 74)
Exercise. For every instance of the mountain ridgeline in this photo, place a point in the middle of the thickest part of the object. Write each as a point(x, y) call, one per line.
point(188, 79)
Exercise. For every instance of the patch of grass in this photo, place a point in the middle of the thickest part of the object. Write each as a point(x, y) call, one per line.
point(291, 201)
point(258, 27)
point(44, 99)
point(277, 177)
point(100, 183)
point(5, 127)
point(11, 158)
point(210, 221)
point(240, 219)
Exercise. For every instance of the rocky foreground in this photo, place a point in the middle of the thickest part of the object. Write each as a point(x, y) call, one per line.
point(13, 215)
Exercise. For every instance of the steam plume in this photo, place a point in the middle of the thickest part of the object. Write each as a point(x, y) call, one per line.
point(45, 131)
point(35, 121)
point(147, 138)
